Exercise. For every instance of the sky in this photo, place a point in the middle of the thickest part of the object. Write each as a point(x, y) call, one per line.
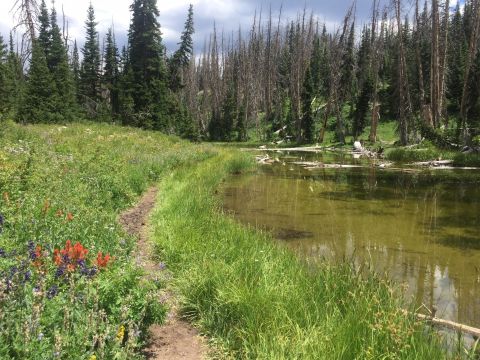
point(227, 14)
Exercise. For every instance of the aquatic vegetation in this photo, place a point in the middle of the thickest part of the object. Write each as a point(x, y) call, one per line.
point(258, 300)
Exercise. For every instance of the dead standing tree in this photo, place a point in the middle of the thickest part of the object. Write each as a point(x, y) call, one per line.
point(26, 12)
point(336, 98)
point(472, 53)
point(405, 104)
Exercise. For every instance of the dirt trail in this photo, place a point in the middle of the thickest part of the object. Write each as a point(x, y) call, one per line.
point(176, 339)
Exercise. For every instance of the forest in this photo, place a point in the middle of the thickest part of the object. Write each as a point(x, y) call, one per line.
point(287, 80)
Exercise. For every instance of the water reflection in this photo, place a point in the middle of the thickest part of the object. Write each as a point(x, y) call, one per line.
point(419, 227)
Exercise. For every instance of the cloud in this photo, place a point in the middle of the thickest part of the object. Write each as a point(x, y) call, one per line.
point(228, 15)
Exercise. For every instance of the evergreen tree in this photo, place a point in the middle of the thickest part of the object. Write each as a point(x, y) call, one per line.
point(111, 71)
point(90, 69)
point(44, 35)
point(15, 78)
point(38, 105)
point(456, 60)
point(75, 65)
point(151, 99)
point(57, 61)
point(181, 58)
point(307, 121)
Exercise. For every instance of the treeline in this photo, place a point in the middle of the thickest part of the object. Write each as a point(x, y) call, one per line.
point(296, 80)
point(415, 63)
point(138, 86)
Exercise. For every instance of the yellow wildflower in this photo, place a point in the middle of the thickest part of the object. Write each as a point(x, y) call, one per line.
point(93, 357)
point(121, 333)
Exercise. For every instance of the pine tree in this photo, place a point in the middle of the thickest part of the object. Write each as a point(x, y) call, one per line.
point(307, 121)
point(181, 58)
point(75, 66)
point(44, 35)
point(111, 71)
point(151, 99)
point(57, 61)
point(15, 78)
point(456, 60)
point(90, 70)
point(38, 105)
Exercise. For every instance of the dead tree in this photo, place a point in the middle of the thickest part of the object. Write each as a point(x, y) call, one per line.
point(472, 52)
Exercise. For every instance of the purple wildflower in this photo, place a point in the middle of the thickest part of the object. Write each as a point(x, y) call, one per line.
point(31, 251)
point(60, 271)
point(52, 292)
point(2, 221)
point(28, 276)
point(162, 266)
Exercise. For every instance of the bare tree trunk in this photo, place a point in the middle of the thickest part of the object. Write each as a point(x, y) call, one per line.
point(443, 63)
point(425, 110)
point(472, 51)
point(435, 75)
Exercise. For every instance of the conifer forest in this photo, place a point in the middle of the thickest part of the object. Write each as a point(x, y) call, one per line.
point(413, 62)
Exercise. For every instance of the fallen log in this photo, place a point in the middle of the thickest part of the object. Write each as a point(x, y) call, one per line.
point(470, 330)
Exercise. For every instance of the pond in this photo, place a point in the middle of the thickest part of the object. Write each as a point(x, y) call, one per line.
point(419, 227)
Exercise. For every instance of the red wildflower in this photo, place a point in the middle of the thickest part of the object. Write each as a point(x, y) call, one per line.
point(69, 216)
point(70, 255)
point(57, 258)
point(102, 261)
point(38, 256)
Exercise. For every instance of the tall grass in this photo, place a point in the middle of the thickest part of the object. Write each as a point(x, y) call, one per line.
point(257, 299)
point(70, 183)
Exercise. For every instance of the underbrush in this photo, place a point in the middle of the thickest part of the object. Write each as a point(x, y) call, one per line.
point(69, 288)
point(258, 300)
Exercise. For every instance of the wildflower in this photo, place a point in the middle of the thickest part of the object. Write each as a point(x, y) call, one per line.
point(59, 213)
point(28, 276)
point(57, 258)
point(70, 256)
point(102, 261)
point(162, 266)
point(93, 357)
point(60, 272)
point(2, 252)
point(40, 337)
point(2, 221)
point(36, 256)
point(52, 292)
point(121, 333)
point(69, 216)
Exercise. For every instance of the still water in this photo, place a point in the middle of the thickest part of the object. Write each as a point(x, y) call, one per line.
point(419, 227)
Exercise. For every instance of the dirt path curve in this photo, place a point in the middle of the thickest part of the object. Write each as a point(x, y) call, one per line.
point(176, 339)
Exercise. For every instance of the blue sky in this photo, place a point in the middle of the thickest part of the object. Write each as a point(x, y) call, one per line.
point(228, 15)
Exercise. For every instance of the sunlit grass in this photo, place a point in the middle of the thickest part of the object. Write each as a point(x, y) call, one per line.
point(258, 299)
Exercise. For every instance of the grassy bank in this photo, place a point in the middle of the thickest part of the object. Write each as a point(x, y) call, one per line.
point(58, 301)
point(256, 299)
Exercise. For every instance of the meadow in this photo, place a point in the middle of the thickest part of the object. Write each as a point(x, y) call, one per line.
point(70, 287)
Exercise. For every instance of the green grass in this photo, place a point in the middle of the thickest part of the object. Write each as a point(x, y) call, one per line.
point(91, 171)
point(257, 299)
